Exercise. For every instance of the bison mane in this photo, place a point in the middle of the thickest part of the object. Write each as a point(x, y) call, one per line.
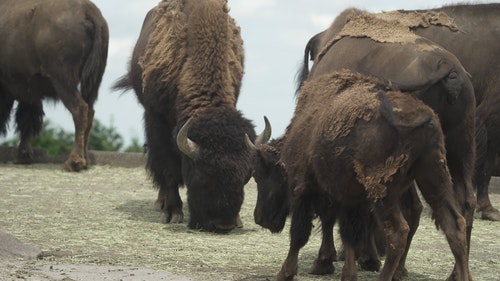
point(387, 27)
point(206, 72)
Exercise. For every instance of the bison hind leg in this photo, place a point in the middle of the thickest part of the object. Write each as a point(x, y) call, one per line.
point(29, 121)
point(6, 105)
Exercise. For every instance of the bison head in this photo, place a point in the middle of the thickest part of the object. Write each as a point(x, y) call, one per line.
point(217, 163)
point(273, 197)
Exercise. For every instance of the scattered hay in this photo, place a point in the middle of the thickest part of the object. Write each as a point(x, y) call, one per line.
point(105, 216)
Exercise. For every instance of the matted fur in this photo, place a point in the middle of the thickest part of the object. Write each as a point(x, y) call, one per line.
point(352, 101)
point(416, 19)
point(166, 48)
point(205, 66)
point(356, 98)
point(388, 27)
point(375, 178)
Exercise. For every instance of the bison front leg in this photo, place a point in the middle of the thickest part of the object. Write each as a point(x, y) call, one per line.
point(170, 205)
point(29, 120)
point(164, 165)
point(300, 230)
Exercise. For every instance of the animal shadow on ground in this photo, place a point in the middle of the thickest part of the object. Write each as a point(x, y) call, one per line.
point(144, 211)
point(139, 210)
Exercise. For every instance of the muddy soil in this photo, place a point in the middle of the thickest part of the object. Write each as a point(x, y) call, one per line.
point(100, 224)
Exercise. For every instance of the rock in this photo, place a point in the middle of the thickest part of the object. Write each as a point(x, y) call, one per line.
point(10, 246)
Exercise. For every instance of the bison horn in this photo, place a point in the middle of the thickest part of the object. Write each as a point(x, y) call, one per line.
point(262, 138)
point(265, 135)
point(185, 145)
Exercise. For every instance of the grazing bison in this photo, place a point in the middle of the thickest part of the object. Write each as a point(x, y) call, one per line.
point(352, 149)
point(54, 49)
point(186, 70)
point(387, 49)
point(477, 29)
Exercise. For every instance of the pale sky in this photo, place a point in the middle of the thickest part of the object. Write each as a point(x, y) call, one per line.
point(275, 33)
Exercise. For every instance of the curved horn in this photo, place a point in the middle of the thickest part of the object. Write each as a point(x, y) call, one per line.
point(249, 143)
point(265, 135)
point(185, 145)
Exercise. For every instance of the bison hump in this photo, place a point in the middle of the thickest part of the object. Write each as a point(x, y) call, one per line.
point(404, 111)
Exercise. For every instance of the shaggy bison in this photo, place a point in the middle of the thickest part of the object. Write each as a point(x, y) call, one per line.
point(51, 49)
point(477, 28)
point(386, 49)
point(352, 149)
point(186, 70)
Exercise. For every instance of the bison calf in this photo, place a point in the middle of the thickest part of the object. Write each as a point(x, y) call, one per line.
point(352, 150)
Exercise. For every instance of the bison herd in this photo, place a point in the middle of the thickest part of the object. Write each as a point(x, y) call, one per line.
point(394, 102)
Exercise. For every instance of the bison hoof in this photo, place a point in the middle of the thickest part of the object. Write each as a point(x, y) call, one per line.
point(158, 205)
point(400, 274)
point(24, 158)
point(174, 218)
point(75, 166)
point(239, 223)
point(490, 214)
point(282, 276)
point(370, 265)
point(322, 267)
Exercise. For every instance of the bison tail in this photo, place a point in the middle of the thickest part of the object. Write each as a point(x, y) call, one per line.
point(303, 71)
point(301, 75)
point(123, 84)
point(404, 111)
point(93, 68)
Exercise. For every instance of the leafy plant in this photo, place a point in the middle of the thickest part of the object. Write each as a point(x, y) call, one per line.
point(55, 141)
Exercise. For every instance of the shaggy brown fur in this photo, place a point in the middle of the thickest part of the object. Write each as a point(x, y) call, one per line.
point(478, 49)
point(363, 24)
point(419, 67)
point(351, 151)
point(187, 65)
point(390, 27)
point(206, 65)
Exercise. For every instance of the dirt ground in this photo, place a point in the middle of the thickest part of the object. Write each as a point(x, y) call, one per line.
point(100, 225)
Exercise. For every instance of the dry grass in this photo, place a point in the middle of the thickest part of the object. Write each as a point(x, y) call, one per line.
point(105, 216)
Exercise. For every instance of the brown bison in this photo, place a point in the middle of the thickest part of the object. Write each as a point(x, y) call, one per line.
point(186, 70)
point(352, 149)
point(475, 42)
point(388, 50)
point(53, 49)
point(471, 33)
